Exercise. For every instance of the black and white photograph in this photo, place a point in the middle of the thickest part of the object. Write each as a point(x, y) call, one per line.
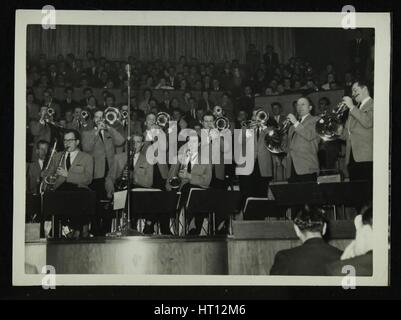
point(204, 148)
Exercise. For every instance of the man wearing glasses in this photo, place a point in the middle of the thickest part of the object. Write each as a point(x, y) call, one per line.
point(73, 168)
point(73, 171)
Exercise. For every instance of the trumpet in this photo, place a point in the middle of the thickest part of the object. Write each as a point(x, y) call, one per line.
point(261, 117)
point(329, 126)
point(83, 120)
point(247, 124)
point(51, 112)
point(218, 111)
point(222, 123)
point(84, 114)
point(175, 182)
point(162, 119)
point(112, 115)
point(124, 114)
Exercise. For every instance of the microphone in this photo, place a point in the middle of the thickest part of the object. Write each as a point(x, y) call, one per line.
point(128, 70)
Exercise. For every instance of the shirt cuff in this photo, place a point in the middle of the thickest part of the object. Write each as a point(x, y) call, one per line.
point(296, 124)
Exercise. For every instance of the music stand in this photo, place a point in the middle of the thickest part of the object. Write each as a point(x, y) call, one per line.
point(153, 204)
point(261, 208)
point(312, 193)
point(33, 211)
point(227, 203)
point(211, 201)
point(68, 204)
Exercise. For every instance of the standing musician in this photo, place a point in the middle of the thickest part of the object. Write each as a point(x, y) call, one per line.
point(43, 129)
point(218, 180)
point(35, 168)
point(278, 159)
point(257, 183)
point(302, 144)
point(160, 176)
point(49, 102)
point(191, 174)
point(73, 170)
point(358, 133)
point(101, 142)
point(122, 126)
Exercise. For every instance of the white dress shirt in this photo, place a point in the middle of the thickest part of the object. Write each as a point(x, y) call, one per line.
point(302, 119)
point(136, 157)
point(41, 163)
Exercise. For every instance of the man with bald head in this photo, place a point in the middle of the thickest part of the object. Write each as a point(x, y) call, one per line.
point(302, 144)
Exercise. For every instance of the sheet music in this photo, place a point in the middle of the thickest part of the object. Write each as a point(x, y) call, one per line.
point(120, 199)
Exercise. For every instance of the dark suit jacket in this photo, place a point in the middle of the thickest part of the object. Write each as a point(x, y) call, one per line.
point(261, 153)
point(33, 177)
point(203, 105)
point(360, 50)
point(272, 61)
point(309, 259)
point(363, 266)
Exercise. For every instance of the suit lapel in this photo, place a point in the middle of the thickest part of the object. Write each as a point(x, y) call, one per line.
point(77, 159)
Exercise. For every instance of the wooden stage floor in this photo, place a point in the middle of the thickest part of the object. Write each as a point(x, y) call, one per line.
point(249, 251)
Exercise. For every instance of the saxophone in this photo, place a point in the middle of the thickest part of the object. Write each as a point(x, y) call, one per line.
point(121, 182)
point(49, 181)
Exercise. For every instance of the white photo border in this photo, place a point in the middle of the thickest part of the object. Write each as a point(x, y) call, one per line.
point(381, 22)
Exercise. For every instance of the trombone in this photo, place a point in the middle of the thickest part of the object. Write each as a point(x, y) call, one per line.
point(162, 119)
point(221, 122)
point(261, 118)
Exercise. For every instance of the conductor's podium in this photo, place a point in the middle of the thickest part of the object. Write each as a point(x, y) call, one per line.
point(249, 251)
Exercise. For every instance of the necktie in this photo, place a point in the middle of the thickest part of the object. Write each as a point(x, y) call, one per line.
point(257, 134)
point(68, 161)
point(101, 136)
point(189, 168)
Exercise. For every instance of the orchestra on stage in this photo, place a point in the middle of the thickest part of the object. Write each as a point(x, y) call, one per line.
point(84, 147)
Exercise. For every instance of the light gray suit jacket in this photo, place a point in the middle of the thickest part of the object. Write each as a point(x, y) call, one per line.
point(101, 150)
point(201, 175)
point(142, 176)
point(80, 173)
point(358, 133)
point(261, 153)
point(302, 147)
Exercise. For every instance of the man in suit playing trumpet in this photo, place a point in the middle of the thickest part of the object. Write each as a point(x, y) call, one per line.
point(101, 142)
point(257, 182)
point(302, 144)
point(358, 133)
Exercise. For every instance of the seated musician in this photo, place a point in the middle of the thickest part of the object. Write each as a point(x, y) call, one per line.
point(191, 174)
point(143, 176)
point(73, 170)
point(312, 257)
point(35, 168)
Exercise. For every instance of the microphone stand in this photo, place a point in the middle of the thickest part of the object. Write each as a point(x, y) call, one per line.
point(127, 230)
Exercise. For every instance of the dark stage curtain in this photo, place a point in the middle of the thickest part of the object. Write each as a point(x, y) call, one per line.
point(150, 42)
